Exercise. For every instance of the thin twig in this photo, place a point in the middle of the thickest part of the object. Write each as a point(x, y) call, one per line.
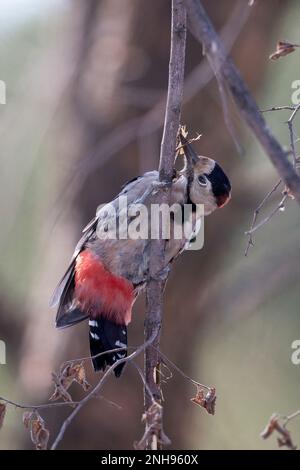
point(290, 417)
point(291, 130)
point(277, 108)
point(280, 206)
point(175, 367)
point(86, 358)
point(38, 407)
point(256, 214)
point(144, 381)
point(45, 406)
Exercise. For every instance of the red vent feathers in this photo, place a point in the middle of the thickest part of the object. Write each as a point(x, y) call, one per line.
point(101, 293)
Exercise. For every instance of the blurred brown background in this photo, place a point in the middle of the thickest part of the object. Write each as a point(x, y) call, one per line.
point(86, 82)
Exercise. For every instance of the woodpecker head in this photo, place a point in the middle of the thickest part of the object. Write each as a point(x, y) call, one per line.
point(207, 182)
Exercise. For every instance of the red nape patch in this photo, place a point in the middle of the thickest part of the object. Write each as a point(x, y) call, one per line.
point(223, 199)
point(101, 293)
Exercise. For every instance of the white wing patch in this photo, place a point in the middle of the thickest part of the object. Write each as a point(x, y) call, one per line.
point(94, 336)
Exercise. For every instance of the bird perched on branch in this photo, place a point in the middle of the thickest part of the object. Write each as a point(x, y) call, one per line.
point(107, 272)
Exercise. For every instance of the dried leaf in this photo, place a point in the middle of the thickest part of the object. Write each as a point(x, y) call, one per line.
point(283, 48)
point(2, 413)
point(27, 416)
point(206, 399)
point(67, 375)
point(285, 437)
point(38, 433)
point(60, 390)
point(153, 427)
point(36, 426)
point(270, 428)
point(183, 131)
point(42, 439)
point(80, 376)
point(179, 147)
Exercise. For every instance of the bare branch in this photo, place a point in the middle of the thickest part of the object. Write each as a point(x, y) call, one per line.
point(204, 31)
point(278, 108)
point(157, 270)
point(291, 417)
point(175, 91)
point(46, 406)
point(144, 381)
point(280, 206)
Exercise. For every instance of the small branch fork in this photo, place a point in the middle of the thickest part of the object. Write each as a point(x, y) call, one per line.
point(285, 193)
point(255, 226)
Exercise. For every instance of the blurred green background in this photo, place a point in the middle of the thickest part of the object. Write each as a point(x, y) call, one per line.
point(86, 82)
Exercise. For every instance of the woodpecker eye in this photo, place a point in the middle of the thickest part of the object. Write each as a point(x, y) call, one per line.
point(202, 180)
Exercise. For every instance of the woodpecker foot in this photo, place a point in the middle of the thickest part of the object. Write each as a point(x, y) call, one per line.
point(160, 185)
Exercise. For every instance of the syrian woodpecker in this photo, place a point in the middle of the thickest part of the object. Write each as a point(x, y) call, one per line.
point(106, 274)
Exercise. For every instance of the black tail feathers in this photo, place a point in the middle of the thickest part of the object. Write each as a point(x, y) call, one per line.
point(104, 336)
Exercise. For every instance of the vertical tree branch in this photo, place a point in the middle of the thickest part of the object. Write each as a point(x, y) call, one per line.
point(157, 272)
point(175, 91)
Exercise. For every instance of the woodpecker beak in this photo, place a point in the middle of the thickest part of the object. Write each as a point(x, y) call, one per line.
point(191, 155)
point(189, 152)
